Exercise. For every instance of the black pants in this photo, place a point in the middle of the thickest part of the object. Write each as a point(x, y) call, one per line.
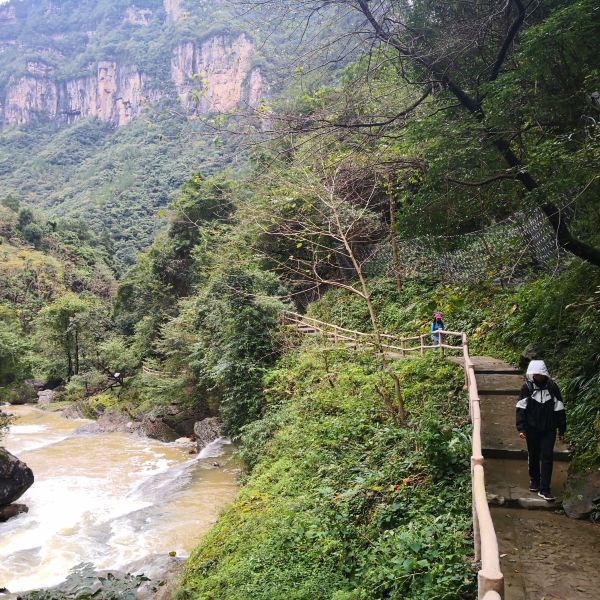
point(540, 446)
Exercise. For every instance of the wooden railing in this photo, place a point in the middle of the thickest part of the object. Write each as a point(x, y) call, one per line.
point(490, 581)
point(402, 345)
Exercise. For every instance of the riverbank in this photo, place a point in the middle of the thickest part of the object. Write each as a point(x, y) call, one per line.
point(108, 498)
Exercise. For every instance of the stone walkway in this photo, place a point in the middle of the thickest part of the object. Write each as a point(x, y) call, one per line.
point(544, 555)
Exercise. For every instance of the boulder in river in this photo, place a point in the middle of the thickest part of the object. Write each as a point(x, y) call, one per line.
point(15, 477)
point(163, 573)
point(46, 397)
point(12, 510)
point(182, 417)
point(207, 431)
point(19, 393)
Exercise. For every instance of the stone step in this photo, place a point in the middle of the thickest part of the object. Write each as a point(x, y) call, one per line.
point(499, 384)
point(559, 455)
point(507, 484)
point(487, 365)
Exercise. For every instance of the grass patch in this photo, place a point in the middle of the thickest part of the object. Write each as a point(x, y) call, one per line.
point(341, 501)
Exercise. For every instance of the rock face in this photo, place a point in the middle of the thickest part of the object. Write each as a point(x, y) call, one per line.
point(530, 353)
point(138, 16)
point(15, 477)
point(115, 95)
point(582, 492)
point(174, 10)
point(8, 14)
point(207, 431)
point(217, 76)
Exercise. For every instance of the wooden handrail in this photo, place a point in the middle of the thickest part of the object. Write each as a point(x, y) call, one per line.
point(490, 581)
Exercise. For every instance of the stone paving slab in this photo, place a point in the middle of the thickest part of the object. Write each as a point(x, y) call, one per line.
point(547, 556)
point(486, 364)
point(507, 483)
point(499, 383)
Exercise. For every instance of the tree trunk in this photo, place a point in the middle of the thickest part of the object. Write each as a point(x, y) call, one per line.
point(69, 359)
point(76, 353)
point(374, 324)
point(395, 249)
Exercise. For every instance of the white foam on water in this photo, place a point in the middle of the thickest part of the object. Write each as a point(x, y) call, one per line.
point(97, 499)
point(215, 448)
point(26, 429)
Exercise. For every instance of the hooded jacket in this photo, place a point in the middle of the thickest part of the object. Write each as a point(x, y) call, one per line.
point(540, 407)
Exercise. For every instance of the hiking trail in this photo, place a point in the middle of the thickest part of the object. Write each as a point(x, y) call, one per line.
point(544, 555)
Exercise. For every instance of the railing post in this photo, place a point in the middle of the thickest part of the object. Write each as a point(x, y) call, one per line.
point(422, 344)
point(441, 343)
point(402, 352)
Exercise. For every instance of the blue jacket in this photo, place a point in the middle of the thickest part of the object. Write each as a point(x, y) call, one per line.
point(435, 326)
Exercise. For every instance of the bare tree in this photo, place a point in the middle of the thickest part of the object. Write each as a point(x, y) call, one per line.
point(328, 234)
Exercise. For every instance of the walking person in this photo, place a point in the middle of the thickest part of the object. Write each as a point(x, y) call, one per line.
point(434, 327)
point(540, 413)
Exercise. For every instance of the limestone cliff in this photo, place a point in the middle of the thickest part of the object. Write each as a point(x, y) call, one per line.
point(173, 9)
point(217, 75)
point(115, 95)
point(8, 14)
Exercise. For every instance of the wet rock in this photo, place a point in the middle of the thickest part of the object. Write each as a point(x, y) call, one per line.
point(207, 431)
point(163, 572)
point(75, 411)
point(157, 429)
point(183, 418)
point(37, 384)
point(12, 510)
point(46, 397)
point(583, 489)
point(15, 477)
point(110, 422)
point(20, 393)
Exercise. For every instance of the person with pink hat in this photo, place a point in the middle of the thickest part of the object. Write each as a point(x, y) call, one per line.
point(435, 326)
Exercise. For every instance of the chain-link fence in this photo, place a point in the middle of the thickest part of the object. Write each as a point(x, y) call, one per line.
point(507, 252)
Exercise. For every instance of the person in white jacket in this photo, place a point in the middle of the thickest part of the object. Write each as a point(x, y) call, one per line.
point(540, 413)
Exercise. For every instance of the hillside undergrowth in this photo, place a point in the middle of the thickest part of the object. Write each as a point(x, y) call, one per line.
point(341, 501)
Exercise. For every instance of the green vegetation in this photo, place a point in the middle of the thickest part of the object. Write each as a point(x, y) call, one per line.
point(117, 182)
point(556, 314)
point(345, 496)
point(342, 502)
point(64, 265)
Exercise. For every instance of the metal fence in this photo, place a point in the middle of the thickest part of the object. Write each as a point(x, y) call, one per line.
point(507, 252)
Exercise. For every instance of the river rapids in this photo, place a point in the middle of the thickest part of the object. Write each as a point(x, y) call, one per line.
point(109, 499)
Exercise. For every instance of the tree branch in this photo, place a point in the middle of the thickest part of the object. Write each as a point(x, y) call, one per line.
point(508, 40)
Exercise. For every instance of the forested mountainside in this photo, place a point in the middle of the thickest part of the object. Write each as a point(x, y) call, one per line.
point(99, 105)
point(451, 165)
